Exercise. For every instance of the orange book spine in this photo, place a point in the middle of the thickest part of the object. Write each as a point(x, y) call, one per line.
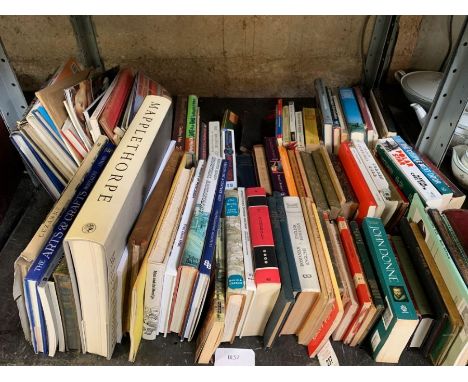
point(287, 171)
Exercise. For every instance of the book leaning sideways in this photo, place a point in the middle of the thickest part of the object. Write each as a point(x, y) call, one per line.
point(52, 252)
point(96, 241)
point(399, 320)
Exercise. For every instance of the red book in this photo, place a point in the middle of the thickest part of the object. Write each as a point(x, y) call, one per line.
point(116, 103)
point(367, 203)
point(355, 267)
point(261, 237)
point(458, 220)
point(325, 331)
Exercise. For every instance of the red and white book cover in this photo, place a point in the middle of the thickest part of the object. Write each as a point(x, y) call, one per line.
point(357, 273)
point(367, 203)
point(116, 103)
point(261, 237)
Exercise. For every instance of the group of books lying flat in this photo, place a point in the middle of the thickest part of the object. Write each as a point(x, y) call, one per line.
point(174, 230)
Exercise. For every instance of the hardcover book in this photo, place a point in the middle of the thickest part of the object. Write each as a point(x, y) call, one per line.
point(325, 113)
point(275, 166)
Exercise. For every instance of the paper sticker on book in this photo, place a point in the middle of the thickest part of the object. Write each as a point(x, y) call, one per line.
point(234, 357)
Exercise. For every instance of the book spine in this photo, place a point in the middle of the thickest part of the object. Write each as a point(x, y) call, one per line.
point(300, 131)
point(261, 167)
point(231, 121)
point(303, 257)
point(352, 114)
point(191, 124)
point(214, 139)
point(246, 245)
point(213, 223)
point(373, 169)
point(235, 260)
point(288, 175)
point(278, 179)
point(310, 128)
point(263, 246)
point(229, 154)
point(321, 96)
point(292, 122)
point(178, 131)
point(334, 112)
point(297, 176)
point(396, 161)
point(286, 131)
point(367, 117)
point(316, 343)
point(433, 178)
point(203, 141)
point(456, 241)
point(279, 121)
point(199, 224)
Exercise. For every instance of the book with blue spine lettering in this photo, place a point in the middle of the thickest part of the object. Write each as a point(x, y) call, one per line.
point(52, 252)
point(352, 114)
point(438, 183)
point(393, 331)
point(202, 282)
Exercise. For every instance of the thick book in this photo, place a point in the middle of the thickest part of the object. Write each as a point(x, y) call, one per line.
point(193, 250)
point(246, 171)
point(140, 237)
point(100, 238)
point(456, 219)
point(52, 251)
point(327, 184)
point(325, 113)
point(350, 206)
point(458, 353)
point(352, 114)
point(262, 169)
point(29, 254)
point(180, 121)
point(310, 128)
point(417, 293)
point(235, 275)
point(67, 305)
point(286, 298)
point(158, 250)
point(304, 263)
point(191, 124)
point(303, 175)
point(391, 334)
point(378, 304)
point(211, 332)
point(316, 188)
point(367, 203)
point(275, 166)
point(360, 284)
point(202, 282)
point(266, 274)
point(170, 274)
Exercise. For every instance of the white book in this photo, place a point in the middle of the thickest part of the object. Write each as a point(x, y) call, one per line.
point(214, 138)
point(158, 249)
point(121, 282)
point(375, 193)
point(426, 190)
point(300, 131)
point(87, 116)
point(95, 242)
point(174, 258)
point(77, 147)
point(292, 122)
point(301, 245)
point(78, 127)
point(250, 286)
point(53, 323)
point(228, 149)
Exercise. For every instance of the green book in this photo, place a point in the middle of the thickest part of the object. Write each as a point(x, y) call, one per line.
point(421, 302)
point(191, 126)
point(314, 182)
point(327, 185)
point(391, 334)
point(286, 299)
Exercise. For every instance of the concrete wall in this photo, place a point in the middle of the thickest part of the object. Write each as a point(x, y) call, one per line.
point(211, 55)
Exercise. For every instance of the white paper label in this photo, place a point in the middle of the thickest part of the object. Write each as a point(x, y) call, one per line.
point(327, 356)
point(234, 357)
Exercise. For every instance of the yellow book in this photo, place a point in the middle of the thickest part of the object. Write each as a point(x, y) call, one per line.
point(310, 128)
point(288, 174)
point(137, 301)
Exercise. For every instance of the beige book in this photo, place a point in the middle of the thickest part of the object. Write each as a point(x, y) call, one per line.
point(324, 304)
point(303, 175)
point(29, 254)
point(334, 179)
point(262, 168)
point(96, 241)
point(159, 250)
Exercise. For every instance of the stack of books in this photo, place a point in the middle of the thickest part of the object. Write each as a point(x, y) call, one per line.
point(166, 228)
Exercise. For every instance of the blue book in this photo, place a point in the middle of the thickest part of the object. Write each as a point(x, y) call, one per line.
point(202, 282)
point(352, 113)
point(279, 119)
point(52, 252)
point(392, 332)
point(438, 183)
